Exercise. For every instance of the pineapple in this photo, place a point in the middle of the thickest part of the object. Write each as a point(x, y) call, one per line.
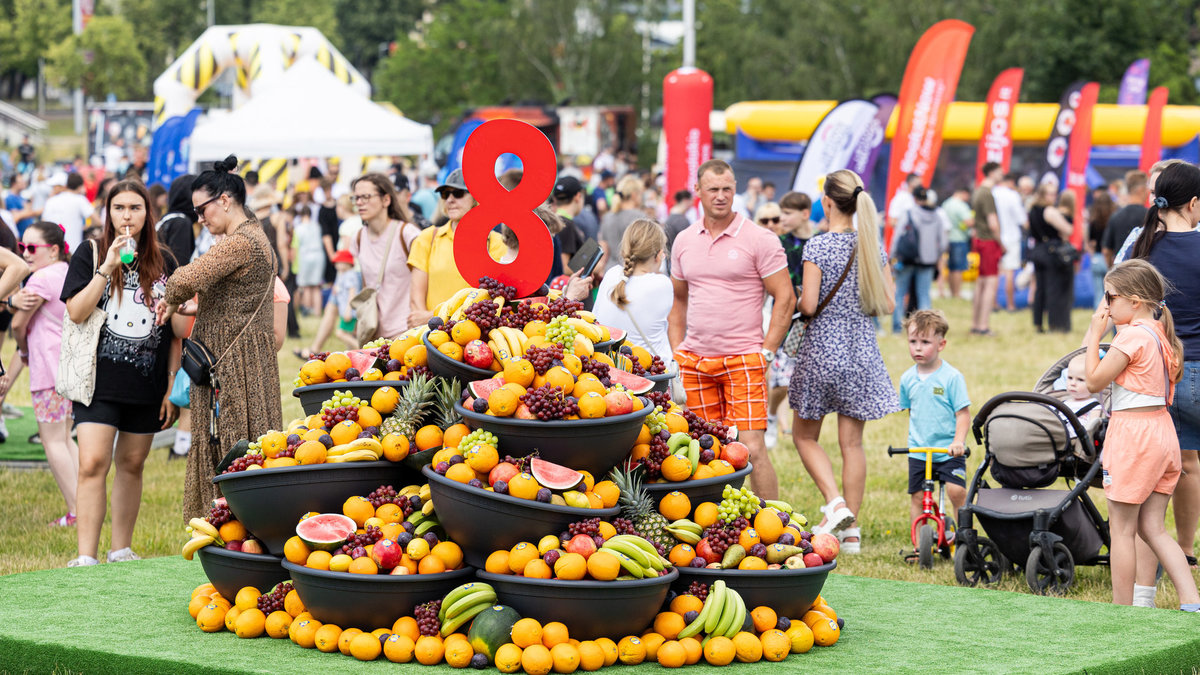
point(638, 506)
point(415, 399)
point(447, 395)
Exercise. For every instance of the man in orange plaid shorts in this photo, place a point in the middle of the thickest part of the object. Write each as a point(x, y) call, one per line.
point(720, 266)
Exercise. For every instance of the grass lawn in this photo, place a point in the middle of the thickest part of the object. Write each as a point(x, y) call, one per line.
point(1012, 361)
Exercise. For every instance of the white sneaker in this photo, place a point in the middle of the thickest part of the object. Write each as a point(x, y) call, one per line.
point(124, 555)
point(771, 437)
point(11, 412)
point(83, 561)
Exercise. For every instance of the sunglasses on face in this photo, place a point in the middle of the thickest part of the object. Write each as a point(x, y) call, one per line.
point(771, 221)
point(32, 248)
point(1109, 297)
point(200, 209)
point(457, 194)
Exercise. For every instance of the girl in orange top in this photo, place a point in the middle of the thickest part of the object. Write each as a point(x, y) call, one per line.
point(1141, 451)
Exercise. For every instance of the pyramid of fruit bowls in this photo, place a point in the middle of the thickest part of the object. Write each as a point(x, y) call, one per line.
point(566, 514)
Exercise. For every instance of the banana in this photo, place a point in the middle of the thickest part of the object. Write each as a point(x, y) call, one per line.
point(697, 624)
point(427, 507)
point(678, 440)
point(629, 549)
point(499, 304)
point(694, 455)
point(516, 339)
point(658, 562)
point(495, 348)
point(554, 294)
point(728, 614)
point(195, 544)
point(353, 456)
point(502, 350)
point(426, 525)
point(416, 517)
point(686, 524)
point(467, 614)
point(367, 444)
point(424, 492)
point(586, 315)
point(739, 617)
point(409, 490)
point(589, 330)
point(629, 564)
point(482, 595)
point(780, 506)
point(447, 307)
point(460, 592)
point(583, 346)
point(204, 527)
point(473, 296)
point(716, 593)
point(686, 536)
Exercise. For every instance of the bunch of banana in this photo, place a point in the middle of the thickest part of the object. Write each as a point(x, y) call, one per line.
point(425, 518)
point(463, 603)
point(638, 556)
point(453, 308)
point(784, 507)
point(684, 445)
point(687, 531)
point(357, 450)
point(724, 613)
point(508, 340)
point(589, 330)
point(203, 533)
point(586, 315)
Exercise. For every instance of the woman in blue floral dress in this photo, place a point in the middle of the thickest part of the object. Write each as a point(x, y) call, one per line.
point(839, 368)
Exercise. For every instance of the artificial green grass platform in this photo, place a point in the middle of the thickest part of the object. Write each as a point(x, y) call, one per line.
point(132, 617)
point(18, 448)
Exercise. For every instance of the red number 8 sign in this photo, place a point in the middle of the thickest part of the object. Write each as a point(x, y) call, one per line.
point(530, 269)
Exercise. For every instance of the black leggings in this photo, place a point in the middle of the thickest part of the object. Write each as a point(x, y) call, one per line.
point(1054, 296)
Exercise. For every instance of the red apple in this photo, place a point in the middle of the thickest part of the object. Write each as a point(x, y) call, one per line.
point(524, 413)
point(618, 403)
point(386, 553)
point(399, 570)
point(235, 545)
point(583, 544)
point(503, 471)
point(704, 550)
point(252, 546)
point(736, 454)
point(813, 560)
point(826, 546)
point(478, 354)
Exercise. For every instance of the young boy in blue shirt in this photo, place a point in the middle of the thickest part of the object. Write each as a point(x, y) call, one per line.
point(935, 394)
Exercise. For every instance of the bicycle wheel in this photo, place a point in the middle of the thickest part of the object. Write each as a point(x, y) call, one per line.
point(951, 530)
point(925, 544)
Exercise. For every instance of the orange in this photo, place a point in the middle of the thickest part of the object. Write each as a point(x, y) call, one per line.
point(407, 625)
point(523, 486)
point(639, 451)
point(452, 350)
point(676, 422)
point(516, 389)
point(825, 633)
point(674, 468)
point(751, 562)
point(389, 513)
point(273, 442)
point(668, 624)
point(554, 633)
point(312, 452)
point(369, 417)
point(801, 637)
point(537, 569)
point(345, 431)
point(565, 657)
point(364, 565)
point(686, 602)
point(644, 436)
point(609, 648)
point(461, 472)
point(276, 462)
point(608, 492)
point(695, 651)
point(292, 603)
point(428, 436)
point(520, 555)
point(398, 648)
point(573, 364)
point(197, 603)
point(454, 434)
point(398, 347)
point(813, 617)
point(508, 658)
point(340, 563)
point(358, 509)
point(586, 386)
point(395, 447)
point(305, 633)
point(594, 501)
point(675, 505)
point(527, 632)
point(719, 651)
point(365, 647)
point(497, 563)
point(482, 457)
point(536, 660)
point(429, 650)
point(233, 531)
point(703, 471)
point(431, 564)
point(277, 624)
point(592, 406)
point(631, 651)
point(652, 641)
point(721, 467)
point(769, 525)
point(372, 375)
point(458, 652)
point(570, 566)
point(327, 638)
point(313, 372)
point(336, 365)
point(314, 434)
point(231, 616)
point(449, 553)
point(313, 423)
point(747, 647)
point(680, 556)
point(591, 656)
point(464, 331)
point(671, 654)
point(603, 566)
point(416, 356)
point(437, 338)
point(606, 528)
point(204, 589)
point(347, 637)
point(748, 538)
point(535, 327)
point(246, 598)
point(775, 645)
point(559, 376)
point(318, 560)
point(825, 609)
point(385, 399)
point(503, 402)
point(642, 355)
point(519, 371)
point(764, 618)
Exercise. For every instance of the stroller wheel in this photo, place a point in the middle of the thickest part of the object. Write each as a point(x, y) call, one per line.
point(1043, 579)
point(981, 562)
point(925, 545)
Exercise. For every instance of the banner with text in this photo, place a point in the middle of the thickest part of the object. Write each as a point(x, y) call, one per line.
point(836, 143)
point(1064, 123)
point(995, 143)
point(1080, 152)
point(872, 141)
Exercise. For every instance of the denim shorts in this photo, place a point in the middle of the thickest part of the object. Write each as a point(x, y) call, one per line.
point(1185, 410)
point(958, 256)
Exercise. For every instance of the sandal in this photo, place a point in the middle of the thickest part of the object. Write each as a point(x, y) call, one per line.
point(303, 354)
point(850, 546)
point(836, 519)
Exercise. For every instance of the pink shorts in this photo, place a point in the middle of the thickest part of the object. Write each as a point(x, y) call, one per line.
point(1141, 455)
point(48, 406)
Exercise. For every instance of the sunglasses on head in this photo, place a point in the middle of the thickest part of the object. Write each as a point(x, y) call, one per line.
point(450, 192)
point(772, 221)
point(32, 248)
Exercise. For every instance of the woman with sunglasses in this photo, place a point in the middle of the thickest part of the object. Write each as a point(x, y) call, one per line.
point(435, 275)
point(234, 320)
point(136, 360)
point(37, 327)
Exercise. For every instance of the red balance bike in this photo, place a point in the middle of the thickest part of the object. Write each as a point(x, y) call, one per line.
point(933, 529)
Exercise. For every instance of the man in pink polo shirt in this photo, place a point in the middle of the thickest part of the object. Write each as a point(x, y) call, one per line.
point(721, 265)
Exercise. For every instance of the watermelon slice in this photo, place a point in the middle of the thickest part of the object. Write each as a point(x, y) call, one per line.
point(326, 531)
point(616, 333)
point(484, 388)
point(634, 384)
point(554, 476)
point(362, 359)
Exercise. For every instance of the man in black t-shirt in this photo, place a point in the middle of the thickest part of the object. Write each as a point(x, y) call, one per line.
point(1132, 215)
point(568, 202)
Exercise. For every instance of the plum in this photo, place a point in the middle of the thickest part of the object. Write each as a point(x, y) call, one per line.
point(543, 495)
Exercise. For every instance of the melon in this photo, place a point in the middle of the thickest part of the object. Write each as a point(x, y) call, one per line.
point(616, 334)
point(634, 384)
point(554, 476)
point(362, 359)
point(491, 629)
point(326, 531)
point(484, 388)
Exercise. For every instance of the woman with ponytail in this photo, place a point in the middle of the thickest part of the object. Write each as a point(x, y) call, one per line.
point(234, 320)
point(636, 296)
point(838, 367)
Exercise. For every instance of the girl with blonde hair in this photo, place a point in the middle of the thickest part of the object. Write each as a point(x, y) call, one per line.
point(636, 296)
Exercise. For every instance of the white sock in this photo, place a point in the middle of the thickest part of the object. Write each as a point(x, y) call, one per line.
point(183, 442)
point(1143, 596)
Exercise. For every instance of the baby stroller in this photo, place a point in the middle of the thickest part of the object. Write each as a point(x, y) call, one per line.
point(1028, 446)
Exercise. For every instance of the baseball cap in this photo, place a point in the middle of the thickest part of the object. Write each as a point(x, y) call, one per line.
point(607, 174)
point(453, 182)
point(58, 180)
point(343, 256)
point(567, 187)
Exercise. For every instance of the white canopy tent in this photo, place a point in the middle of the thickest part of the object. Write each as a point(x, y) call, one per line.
point(308, 112)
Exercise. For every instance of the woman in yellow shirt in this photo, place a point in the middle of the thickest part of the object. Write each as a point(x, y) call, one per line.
point(435, 276)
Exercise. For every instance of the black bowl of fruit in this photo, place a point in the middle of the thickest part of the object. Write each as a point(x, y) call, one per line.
point(268, 501)
point(589, 609)
point(368, 601)
point(489, 520)
point(230, 571)
point(700, 489)
point(790, 592)
point(440, 364)
point(314, 396)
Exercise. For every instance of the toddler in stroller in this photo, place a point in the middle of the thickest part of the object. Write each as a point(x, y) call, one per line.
point(1031, 440)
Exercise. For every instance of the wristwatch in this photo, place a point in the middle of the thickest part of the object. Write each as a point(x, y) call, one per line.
point(768, 355)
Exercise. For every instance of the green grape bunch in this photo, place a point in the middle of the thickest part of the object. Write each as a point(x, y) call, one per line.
point(342, 398)
point(478, 437)
point(559, 331)
point(657, 420)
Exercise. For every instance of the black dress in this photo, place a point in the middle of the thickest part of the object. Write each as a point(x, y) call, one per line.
point(1055, 279)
